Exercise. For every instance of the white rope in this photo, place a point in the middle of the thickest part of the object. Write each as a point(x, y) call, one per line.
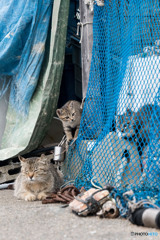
point(62, 141)
point(94, 185)
point(133, 205)
point(80, 26)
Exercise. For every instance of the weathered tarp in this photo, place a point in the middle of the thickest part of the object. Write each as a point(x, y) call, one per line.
point(23, 32)
point(24, 134)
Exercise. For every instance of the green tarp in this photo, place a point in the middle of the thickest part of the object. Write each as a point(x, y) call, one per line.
point(25, 134)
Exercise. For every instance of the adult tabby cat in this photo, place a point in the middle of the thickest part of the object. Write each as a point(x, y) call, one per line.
point(37, 178)
point(70, 115)
point(137, 126)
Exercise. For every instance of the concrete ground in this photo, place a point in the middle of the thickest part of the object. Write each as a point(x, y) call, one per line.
point(20, 220)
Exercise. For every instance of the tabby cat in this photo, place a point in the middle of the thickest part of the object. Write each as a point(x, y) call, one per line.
point(70, 115)
point(37, 178)
point(136, 126)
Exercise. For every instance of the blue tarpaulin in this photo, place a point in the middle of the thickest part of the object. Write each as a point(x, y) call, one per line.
point(23, 134)
point(23, 33)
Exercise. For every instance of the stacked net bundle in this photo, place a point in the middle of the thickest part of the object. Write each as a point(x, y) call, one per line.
point(119, 137)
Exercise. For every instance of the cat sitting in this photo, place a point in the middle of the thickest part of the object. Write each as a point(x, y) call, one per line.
point(138, 126)
point(70, 116)
point(38, 178)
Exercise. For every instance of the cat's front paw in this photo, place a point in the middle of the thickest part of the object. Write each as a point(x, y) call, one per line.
point(69, 140)
point(30, 197)
point(42, 196)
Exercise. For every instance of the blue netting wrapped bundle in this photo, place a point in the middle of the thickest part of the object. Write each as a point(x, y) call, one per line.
point(119, 137)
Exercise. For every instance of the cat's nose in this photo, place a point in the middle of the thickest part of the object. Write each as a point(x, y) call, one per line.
point(31, 175)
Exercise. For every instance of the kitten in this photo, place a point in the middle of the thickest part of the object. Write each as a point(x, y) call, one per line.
point(70, 115)
point(136, 126)
point(37, 178)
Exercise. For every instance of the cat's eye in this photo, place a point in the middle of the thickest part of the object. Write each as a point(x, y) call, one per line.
point(67, 117)
point(73, 114)
point(35, 170)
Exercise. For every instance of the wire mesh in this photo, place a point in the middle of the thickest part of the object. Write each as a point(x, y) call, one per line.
point(119, 137)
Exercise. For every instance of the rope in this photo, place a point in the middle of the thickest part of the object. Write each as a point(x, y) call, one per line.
point(131, 205)
point(61, 143)
point(67, 183)
point(94, 185)
point(80, 25)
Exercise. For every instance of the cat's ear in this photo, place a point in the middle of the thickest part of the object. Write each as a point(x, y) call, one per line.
point(44, 158)
point(71, 104)
point(58, 112)
point(21, 159)
point(82, 103)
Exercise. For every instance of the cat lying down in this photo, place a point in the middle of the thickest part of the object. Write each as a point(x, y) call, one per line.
point(38, 178)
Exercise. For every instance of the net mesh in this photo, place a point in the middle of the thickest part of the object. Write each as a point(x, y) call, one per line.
point(119, 136)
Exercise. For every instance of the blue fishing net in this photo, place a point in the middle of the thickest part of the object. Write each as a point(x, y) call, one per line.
point(23, 32)
point(119, 137)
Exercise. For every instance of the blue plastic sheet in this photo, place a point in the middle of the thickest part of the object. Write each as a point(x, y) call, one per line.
point(23, 33)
